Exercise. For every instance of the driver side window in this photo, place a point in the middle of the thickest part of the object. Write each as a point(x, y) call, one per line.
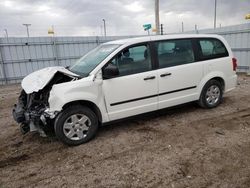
point(133, 60)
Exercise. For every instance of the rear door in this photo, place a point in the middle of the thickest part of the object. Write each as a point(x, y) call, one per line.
point(179, 74)
point(135, 90)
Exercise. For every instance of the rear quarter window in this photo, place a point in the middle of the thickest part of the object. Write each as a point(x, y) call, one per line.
point(212, 48)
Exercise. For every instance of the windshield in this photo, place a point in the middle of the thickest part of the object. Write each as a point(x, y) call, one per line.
point(89, 61)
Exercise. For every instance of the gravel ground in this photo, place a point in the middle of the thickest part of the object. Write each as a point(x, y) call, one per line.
point(185, 146)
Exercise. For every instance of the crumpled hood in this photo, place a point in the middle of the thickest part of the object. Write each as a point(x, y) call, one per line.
point(39, 79)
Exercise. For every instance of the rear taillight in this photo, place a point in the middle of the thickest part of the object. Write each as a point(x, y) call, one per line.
point(234, 61)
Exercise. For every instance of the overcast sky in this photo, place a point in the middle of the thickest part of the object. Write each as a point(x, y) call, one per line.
point(123, 17)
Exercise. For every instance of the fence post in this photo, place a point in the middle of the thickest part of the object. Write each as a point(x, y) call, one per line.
point(97, 40)
point(2, 64)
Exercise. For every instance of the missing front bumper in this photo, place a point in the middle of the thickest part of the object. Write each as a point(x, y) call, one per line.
point(30, 121)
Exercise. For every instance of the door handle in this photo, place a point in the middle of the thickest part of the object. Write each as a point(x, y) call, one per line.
point(166, 74)
point(149, 78)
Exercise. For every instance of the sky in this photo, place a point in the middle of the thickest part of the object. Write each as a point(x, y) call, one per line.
point(122, 17)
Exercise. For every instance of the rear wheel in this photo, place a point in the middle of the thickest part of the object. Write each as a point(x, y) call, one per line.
point(76, 125)
point(211, 95)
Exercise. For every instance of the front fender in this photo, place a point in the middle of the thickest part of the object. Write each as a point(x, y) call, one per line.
point(87, 90)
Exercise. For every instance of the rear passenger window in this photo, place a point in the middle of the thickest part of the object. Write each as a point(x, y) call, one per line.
point(212, 48)
point(174, 52)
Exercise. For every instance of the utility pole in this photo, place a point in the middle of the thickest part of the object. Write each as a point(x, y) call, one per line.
point(157, 19)
point(182, 27)
point(215, 9)
point(104, 25)
point(27, 27)
point(6, 33)
point(196, 29)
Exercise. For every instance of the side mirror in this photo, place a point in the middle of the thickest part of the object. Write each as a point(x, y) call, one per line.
point(110, 71)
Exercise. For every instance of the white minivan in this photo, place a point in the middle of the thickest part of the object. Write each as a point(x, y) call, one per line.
point(124, 78)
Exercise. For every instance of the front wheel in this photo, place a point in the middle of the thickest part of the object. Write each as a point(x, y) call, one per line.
point(211, 95)
point(76, 125)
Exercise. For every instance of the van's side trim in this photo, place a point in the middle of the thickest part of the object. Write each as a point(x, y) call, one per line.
point(151, 96)
point(132, 100)
point(186, 88)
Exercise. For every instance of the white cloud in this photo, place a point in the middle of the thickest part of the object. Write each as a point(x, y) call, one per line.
point(43, 8)
point(7, 3)
point(134, 7)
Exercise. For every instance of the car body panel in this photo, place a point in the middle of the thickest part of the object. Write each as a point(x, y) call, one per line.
point(130, 95)
point(85, 89)
point(181, 85)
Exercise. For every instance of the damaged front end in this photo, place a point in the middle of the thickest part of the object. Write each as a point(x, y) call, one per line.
point(30, 110)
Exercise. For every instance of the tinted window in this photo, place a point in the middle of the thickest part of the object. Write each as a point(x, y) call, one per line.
point(133, 60)
point(212, 48)
point(174, 52)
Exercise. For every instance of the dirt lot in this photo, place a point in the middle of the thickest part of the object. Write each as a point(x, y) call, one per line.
point(180, 147)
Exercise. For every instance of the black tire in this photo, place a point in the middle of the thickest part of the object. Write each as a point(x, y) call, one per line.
point(203, 97)
point(69, 112)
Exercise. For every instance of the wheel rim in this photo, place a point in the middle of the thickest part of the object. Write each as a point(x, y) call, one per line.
point(213, 95)
point(76, 126)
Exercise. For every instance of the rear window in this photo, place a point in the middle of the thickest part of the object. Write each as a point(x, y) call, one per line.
point(174, 52)
point(212, 48)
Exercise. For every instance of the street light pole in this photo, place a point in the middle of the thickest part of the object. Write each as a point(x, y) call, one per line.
point(6, 32)
point(215, 7)
point(104, 25)
point(27, 27)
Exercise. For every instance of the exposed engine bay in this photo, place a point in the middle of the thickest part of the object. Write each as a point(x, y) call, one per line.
point(29, 111)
